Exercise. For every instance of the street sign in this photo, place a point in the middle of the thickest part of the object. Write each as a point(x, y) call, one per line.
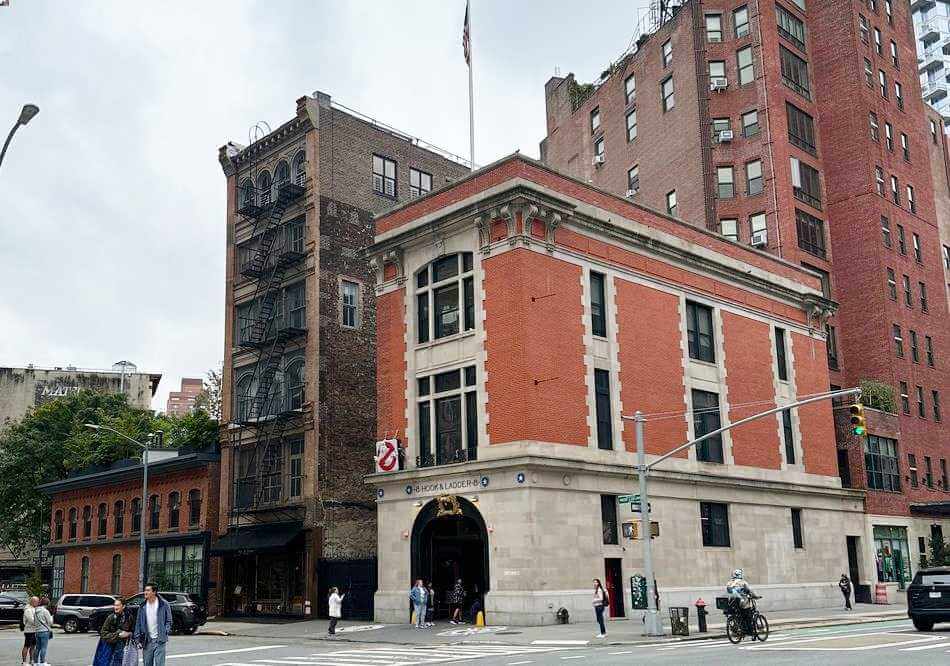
point(629, 499)
point(638, 508)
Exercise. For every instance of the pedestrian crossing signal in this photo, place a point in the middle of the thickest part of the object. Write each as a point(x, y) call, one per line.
point(858, 425)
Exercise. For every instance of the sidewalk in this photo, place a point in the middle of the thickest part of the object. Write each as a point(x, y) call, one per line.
point(621, 631)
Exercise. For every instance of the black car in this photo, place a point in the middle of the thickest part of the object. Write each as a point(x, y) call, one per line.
point(11, 608)
point(188, 613)
point(928, 598)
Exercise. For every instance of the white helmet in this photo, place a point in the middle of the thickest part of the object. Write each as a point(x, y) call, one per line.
point(737, 573)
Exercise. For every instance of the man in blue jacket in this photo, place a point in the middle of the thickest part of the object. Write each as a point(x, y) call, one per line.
point(152, 626)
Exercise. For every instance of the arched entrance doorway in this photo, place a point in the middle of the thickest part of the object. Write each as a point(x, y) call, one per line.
point(450, 541)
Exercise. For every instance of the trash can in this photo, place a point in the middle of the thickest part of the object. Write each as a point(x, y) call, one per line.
point(679, 620)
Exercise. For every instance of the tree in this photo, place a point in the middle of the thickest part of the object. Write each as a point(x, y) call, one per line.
point(209, 400)
point(52, 440)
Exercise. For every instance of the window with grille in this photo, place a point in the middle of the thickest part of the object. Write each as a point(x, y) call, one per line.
point(882, 464)
point(811, 233)
point(801, 128)
point(794, 72)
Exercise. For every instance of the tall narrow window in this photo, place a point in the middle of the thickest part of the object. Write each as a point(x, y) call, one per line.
point(384, 176)
point(789, 436)
point(811, 233)
point(911, 199)
point(154, 512)
point(699, 332)
point(780, 357)
point(929, 350)
point(891, 284)
point(445, 297)
point(594, 120)
point(923, 297)
point(349, 303)
point(868, 73)
point(631, 125)
point(102, 521)
point(84, 574)
point(898, 341)
point(898, 95)
point(889, 136)
point(671, 203)
point(908, 294)
point(746, 65)
point(921, 407)
point(905, 398)
point(914, 348)
point(918, 254)
point(740, 19)
point(667, 50)
point(194, 507)
point(901, 239)
point(912, 469)
point(797, 538)
point(58, 526)
point(86, 522)
point(935, 395)
point(875, 126)
point(725, 182)
point(882, 82)
point(943, 472)
point(604, 418)
point(831, 342)
point(928, 472)
point(806, 184)
point(608, 519)
point(706, 419)
point(879, 180)
point(136, 515)
point(714, 27)
point(174, 509)
point(73, 520)
point(669, 101)
point(794, 72)
point(633, 180)
point(116, 574)
point(905, 147)
point(630, 89)
point(801, 128)
point(753, 177)
point(597, 305)
point(886, 231)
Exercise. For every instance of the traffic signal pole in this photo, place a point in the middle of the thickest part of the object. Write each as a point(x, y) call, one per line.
point(653, 626)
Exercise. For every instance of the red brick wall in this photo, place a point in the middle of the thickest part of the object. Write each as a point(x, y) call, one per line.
point(100, 568)
point(815, 420)
point(531, 341)
point(391, 363)
point(749, 378)
point(651, 376)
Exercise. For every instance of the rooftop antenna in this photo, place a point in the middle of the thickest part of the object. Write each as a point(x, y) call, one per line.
point(258, 131)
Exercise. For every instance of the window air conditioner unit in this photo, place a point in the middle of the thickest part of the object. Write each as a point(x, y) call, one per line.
point(718, 83)
point(598, 160)
point(725, 136)
point(760, 238)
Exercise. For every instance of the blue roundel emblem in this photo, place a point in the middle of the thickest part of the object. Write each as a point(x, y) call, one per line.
point(380, 493)
point(520, 477)
point(409, 489)
point(484, 481)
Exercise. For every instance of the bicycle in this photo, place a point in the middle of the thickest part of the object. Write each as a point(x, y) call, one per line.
point(748, 622)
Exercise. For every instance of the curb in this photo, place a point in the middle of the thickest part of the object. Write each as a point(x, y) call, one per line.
point(716, 634)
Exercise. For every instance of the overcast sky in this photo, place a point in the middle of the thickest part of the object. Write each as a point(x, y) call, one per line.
point(112, 201)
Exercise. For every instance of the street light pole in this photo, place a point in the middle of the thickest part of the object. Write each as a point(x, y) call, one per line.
point(145, 450)
point(26, 115)
point(651, 621)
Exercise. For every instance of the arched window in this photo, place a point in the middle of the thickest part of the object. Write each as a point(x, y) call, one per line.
point(243, 396)
point(264, 188)
point(174, 505)
point(136, 515)
point(58, 525)
point(86, 522)
point(247, 193)
point(73, 515)
point(154, 512)
point(84, 575)
point(118, 518)
point(300, 168)
point(101, 531)
point(194, 507)
point(445, 297)
point(282, 173)
point(116, 574)
point(294, 383)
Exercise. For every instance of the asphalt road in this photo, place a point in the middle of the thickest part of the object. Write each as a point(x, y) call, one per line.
point(866, 644)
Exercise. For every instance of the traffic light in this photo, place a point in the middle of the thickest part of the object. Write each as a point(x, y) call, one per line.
point(858, 426)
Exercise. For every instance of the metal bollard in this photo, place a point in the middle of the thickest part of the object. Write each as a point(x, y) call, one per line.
point(701, 614)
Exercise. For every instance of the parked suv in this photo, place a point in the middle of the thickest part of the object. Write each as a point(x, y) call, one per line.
point(928, 598)
point(11, 608)
point(188, 613)
point(73, 610)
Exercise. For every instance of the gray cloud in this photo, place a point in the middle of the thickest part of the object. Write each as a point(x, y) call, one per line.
point(112, 224)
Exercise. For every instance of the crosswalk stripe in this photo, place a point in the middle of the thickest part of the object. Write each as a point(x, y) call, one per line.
point(926, 647)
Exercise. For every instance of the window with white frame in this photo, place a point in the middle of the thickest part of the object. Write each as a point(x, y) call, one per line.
point(669, 100)
point(630, 89)
point(729, 228)
point(633, 179)
point(671, 203)
point(300, 168)
point(740, 20)
point(753, 173)
point(445, 297)
point(594, 120)
point(349, 304)
point(667, 53)
point(714, 27)
point(447, 417)
point(746, 66)
point(384, 176)
point(632, 125)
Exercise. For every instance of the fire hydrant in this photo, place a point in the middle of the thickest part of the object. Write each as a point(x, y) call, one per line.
point(701, 615)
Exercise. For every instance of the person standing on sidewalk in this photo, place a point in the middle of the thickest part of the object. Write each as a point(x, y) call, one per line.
point(845, 585)
point(152, 626)
point(336, 610)
point(418, 595)
point(430, 604)
point(44, 630)
point(601, 601)
point(28, 627)
point(457, 598)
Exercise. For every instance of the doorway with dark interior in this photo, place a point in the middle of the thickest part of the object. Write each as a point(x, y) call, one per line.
point(450, 542)
point(613, 583)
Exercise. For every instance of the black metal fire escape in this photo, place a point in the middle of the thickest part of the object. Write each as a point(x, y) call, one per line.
point(266, 414)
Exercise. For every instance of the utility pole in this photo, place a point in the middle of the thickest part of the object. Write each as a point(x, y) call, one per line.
point(26, 115)
point(653, 627)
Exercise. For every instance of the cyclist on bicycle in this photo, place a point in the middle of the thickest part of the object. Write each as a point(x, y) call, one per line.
point(741, 594)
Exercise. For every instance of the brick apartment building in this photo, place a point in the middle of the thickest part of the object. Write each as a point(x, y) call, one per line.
point(798, 128)
point(97, 520)
point(182, 402)
point(300, 343)
point(940, 171)
point(520, 313)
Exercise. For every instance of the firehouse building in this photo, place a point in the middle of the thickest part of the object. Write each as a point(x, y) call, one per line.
point(520, 314)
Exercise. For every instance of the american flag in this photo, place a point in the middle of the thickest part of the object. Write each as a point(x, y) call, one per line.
point(467, 38)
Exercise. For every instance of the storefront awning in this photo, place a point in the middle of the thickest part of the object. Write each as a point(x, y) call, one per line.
point(930, 509)
point(256, 538)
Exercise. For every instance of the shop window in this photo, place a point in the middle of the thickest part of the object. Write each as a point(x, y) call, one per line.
point(892, 556)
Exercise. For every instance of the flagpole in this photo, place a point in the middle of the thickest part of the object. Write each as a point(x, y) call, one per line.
point(471, 93)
